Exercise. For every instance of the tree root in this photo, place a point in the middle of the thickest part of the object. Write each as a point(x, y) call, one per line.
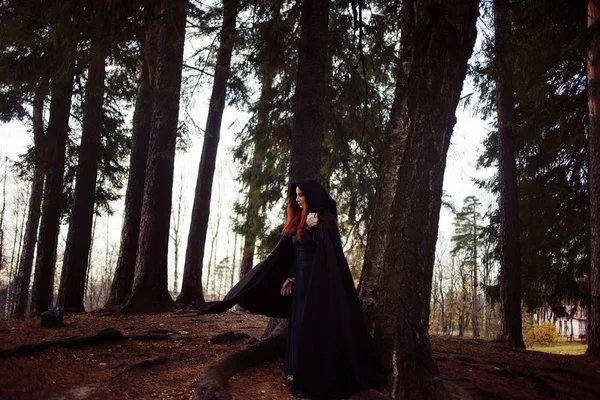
point(104, 335)
point(228, 337)
point(213, 379)
point(151, 337)
point(142, 364)
point(212, 384)
point(125, 355)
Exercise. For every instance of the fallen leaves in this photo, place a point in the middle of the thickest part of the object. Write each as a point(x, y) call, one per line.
point(177, 346)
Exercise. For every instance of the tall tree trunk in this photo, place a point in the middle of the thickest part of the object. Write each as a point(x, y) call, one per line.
point(191, 289)
point(79, 237)
point(150, 287)
point(436, 43)
point(15, 267)
point(252, 215)
point(510, 231)
point(177, 217)
point(89, 261)
point(463, 321)
point(122, 282)
point(378, 236)
point(302, 165)
point(58, 131)
point(475, 318)
point(593, 91)
point(308, 123)
point(35, 203)
point(443, 308)
point(233, 260)
point(309, 104)
point(253, 225)
point(4, 179)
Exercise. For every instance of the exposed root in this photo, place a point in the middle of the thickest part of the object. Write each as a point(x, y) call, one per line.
point(143, 364)
point(212, 384)
point(104, 335)
point(228, 337)
point(213, 379)
point(151, 337)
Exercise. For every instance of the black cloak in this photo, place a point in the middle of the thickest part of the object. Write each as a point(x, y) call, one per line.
point(336, 357)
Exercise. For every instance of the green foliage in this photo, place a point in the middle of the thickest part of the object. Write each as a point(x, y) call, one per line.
point(30, 33)
point(544, 334)
point(26, 55)
point(362, 51)
point(547, 62)
point(467, 236)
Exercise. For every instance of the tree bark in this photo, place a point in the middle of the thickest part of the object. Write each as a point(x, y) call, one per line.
point(510, 248)
point(309, 107)
point(191, 289)
point(436, 43)
point(4, 179)
point(308, 122)
point(58, 131)
point(475, 313)
point(378, 236)
point(79, 237)
point(150, 287)
point(593, 91)
point(122, 283)
point(253, 225)
point(212, 381)
point(250, 238)
point(35, 202)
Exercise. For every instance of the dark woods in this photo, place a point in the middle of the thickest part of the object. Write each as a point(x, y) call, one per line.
point(360, 95)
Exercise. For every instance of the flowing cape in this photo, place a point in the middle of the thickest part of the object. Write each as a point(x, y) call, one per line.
point(259, 290)
point(336, 356)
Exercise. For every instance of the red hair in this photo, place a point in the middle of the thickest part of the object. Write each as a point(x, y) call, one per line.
point(296, 219)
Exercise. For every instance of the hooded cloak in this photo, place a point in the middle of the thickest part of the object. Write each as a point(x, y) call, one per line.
point(335, 357)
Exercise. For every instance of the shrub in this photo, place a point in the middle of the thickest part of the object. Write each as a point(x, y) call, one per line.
point(544, 334)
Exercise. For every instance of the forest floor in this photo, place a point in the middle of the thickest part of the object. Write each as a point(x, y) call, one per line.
point(161, 354)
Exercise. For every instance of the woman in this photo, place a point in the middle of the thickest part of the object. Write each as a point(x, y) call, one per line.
point(306, 278)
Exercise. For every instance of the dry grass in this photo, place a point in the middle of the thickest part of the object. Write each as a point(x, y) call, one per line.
point(565, 348)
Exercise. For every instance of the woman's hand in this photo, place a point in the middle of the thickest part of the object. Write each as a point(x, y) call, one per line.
point(286, 288)
point(312, 219)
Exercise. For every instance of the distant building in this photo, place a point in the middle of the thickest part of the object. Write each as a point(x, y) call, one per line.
point(571, 327)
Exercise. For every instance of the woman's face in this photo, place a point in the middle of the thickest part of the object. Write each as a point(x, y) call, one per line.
point(300, 197)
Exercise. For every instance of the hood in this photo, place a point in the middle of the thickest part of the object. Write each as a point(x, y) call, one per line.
point(316, 196)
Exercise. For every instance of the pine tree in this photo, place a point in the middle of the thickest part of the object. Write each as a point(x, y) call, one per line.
point(544, 60)
point(150, 291)
point(65, 31)
point(75, 265)
point(467, 240)
point(142, 121)
point(191, 289)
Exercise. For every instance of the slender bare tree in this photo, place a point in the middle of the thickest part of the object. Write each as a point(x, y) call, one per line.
point(191, 289)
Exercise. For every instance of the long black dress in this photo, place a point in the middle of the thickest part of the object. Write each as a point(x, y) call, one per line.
point(330, 352)
point(305, 259)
